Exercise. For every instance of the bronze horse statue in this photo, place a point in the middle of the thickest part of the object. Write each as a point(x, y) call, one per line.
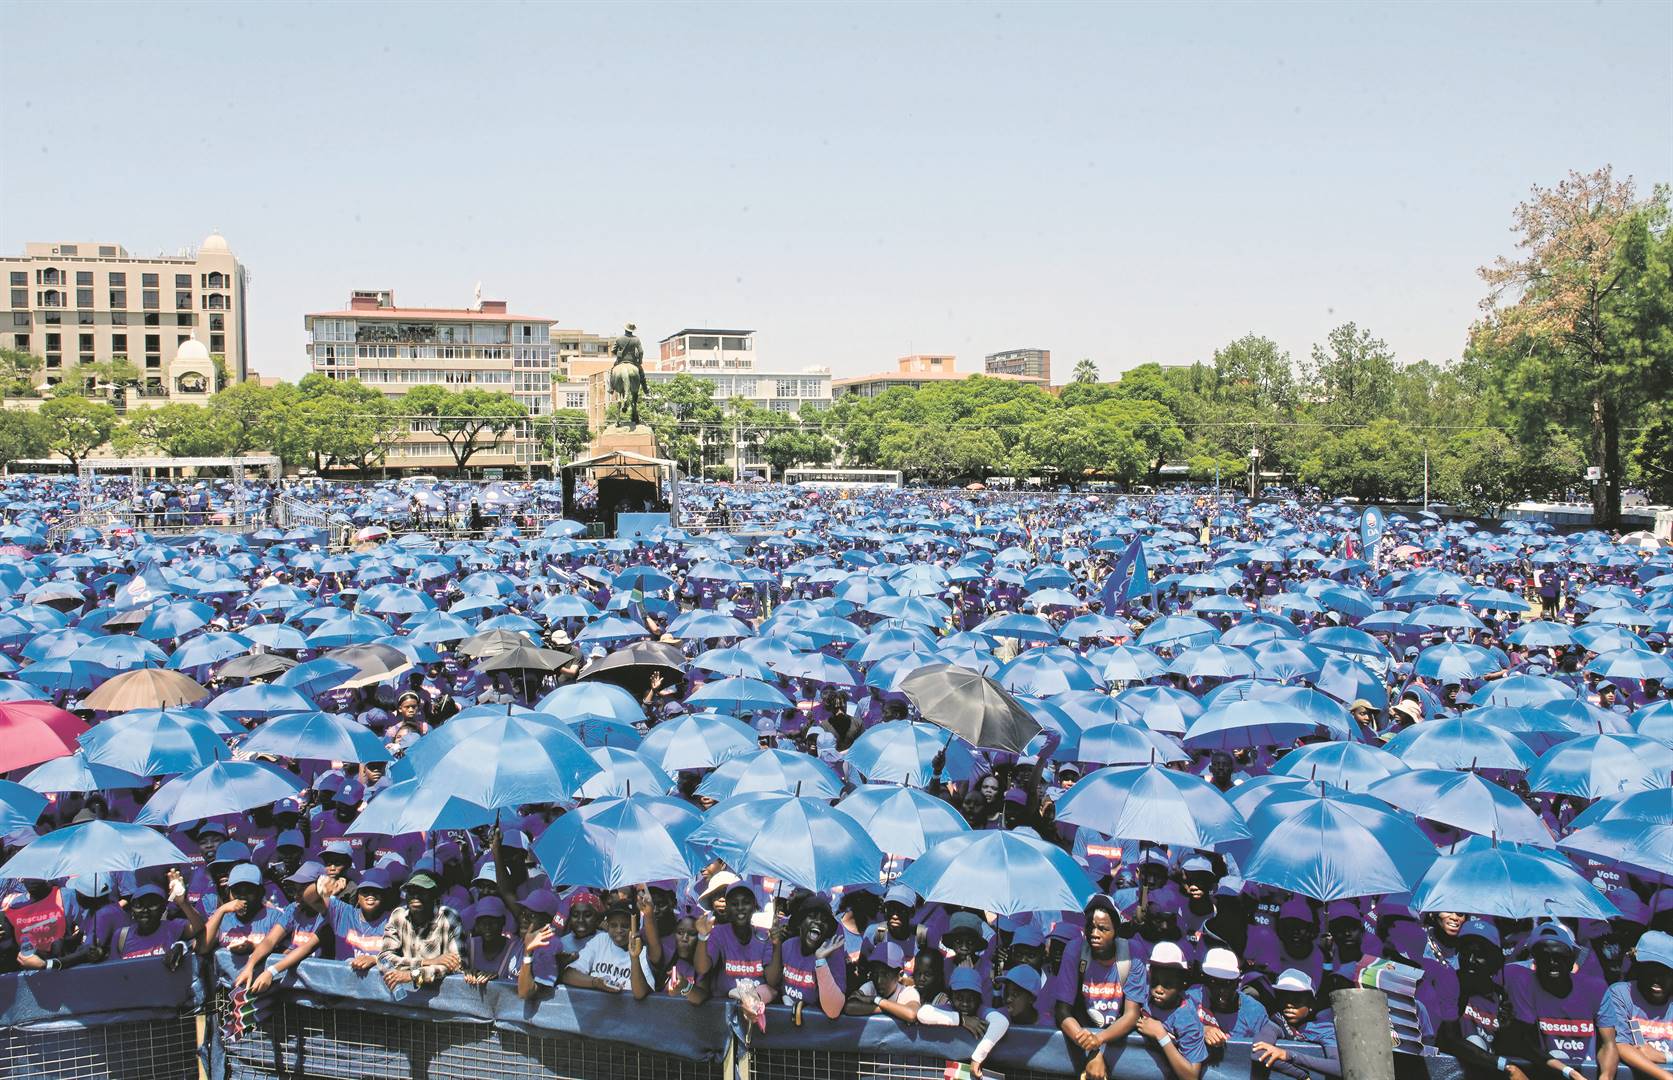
point(627, 374)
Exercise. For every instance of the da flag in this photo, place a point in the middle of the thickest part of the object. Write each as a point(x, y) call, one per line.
point(1130, 578)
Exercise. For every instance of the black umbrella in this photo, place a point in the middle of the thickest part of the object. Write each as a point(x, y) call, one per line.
point(528, 658)
point(256, 666)
point(631, 668)
point(971, 706)
point(493, 642)
point(376, 663)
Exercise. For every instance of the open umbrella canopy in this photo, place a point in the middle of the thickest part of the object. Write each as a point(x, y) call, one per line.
point(1499, 882)
point(804, 841)
point(500, 760)
point(901, 752)
point(260, 700)
point(412, 806)
point(220, 787)
point(20, 807)
point(1642, 845)
point(972, 706)
point(1460, 744)
point(316, 736)
point(92, 847)
point(1153, 804)
point(154, 743)
point(1465, 801)
point(739, 694)
point(1593, 766)
point(785, 771)
point(1330, 849)
point(145, 688)
point(904, 821)
point(1007, 873)
point(1351, 766)
point(34, 731)
point(1234, 724)
point(623, 772)
point(592, 699)
point(375, 663)
point(616, 843)
point(74, 772)
point(697, 741)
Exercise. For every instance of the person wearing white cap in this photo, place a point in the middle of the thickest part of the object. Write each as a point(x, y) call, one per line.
point(1226, 1014)
point(1299, 1019)
point(1167, 1018)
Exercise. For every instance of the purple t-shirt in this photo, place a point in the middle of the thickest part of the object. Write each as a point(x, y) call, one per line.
point(127, 943)
point(1100, 987)
point(801, 976)
point(732, 961)
point(1567, 1024)
point(237, 931)
point(1266, 951)
point(355, 935)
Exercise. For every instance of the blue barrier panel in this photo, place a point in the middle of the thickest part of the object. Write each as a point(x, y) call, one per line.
point(122, 1019)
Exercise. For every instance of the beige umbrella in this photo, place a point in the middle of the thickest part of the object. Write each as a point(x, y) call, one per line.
point(145, 688)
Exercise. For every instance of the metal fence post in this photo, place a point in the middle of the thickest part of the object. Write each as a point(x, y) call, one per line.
point(1364, 1036)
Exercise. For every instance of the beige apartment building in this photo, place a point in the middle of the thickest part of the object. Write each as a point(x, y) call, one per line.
point(171, 316)
point(394, 349)
point(912, 372)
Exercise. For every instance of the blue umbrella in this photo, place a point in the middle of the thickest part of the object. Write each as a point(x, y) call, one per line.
point(1164, 709)
point(1049, 671)
point(316, 736)
point(1328, 849)
point(902, 752)
point(501, 760)
point(1234, 724)
point(1593, 766)
point(739, 694)
point(1632, 664)
point(1284, 660)
point(120, 652)
point(697, 741)
point(1348, 765)
point(1498, 882)
point(815, 666)
point(904, 821)
point(413, 806)
point(316, 676)
point(1130, 663)
point(75, 773)
point(1121, 743)
point(221, 787)
point(209, 649)
point(1521, 691)
point(1179, 632)
point(1017, 625)
point(804, 841)
point(1212, 661)
point(732, 661)
point(1348, 680)
point(592, 698)
point(1460, 744)
point(1007, 873)
point(623, 772)
point(1542, 634)
point(1154, 804)
point(1465, 801)
point(93, 847)
point(784, 771)
point(153, 743)
point(260, 699)
point(175, 620)
point(276, 636)
point(64, 673)
point(21, 805)
point(616, 843)
point(1453, 662)
point(886, 643)
point(1645, 846)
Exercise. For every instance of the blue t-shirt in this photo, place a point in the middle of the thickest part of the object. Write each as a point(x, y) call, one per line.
point(355, 935)
point(1245, 1025)
point(238, 931)
point(1181, 1021)
point(1635, 1020)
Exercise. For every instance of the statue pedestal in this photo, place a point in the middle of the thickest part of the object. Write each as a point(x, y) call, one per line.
point(639, 440)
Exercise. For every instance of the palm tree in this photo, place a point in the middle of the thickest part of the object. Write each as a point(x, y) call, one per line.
point(1086, 371)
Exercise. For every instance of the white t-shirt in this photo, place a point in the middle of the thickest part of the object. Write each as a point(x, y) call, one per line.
point(610, 965)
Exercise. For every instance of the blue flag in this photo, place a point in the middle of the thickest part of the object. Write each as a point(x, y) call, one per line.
point(147, 586)
point(1370, 528)
point(1129, 578)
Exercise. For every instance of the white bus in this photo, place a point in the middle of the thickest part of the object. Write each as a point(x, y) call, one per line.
point(843, 478)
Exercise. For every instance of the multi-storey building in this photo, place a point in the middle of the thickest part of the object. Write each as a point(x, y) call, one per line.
point(912, 372)
point(394, 349)
point(178, 319)
point(1032, 364)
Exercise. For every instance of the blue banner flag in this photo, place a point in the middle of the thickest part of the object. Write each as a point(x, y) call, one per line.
point(147, 586)
point(1370, 527)
point(1129, 578)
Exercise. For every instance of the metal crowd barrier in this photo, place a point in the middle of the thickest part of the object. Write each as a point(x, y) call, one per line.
point(132, 1020)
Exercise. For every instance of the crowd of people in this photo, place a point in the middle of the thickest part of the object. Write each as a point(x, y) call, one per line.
point(550, 760)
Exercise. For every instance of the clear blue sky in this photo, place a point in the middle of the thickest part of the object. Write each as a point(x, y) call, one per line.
point(856, 181)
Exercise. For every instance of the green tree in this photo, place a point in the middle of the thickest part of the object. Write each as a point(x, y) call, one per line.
point(1379, 462)
point(17, 373)
point(1351, 377)
point(564, 433)
point(1086, 370)
point(76, 426)
point(1580, 315)
point(24, 436)
point(1480, 471)
point(789, 449)
point(1652, 457)
point(177, 430)
point(940, 454)
point(1253, 371)
point(258, 417)
point(337, 422)
point(469, 421)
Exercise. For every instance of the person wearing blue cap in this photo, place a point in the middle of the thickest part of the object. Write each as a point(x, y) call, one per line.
point(1473, 1035)
point(147, 933)
point(357, 924)
point(240, 922)
point(1635, 1019)
point(885, 991)
point(963, 1005)
point(1553, 1007)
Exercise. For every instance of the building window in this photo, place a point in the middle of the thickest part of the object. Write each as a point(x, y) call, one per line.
point(150, 300)
point(181, 339)
point(118, 279)
point(84, 298)
point(119, 318)
point(52, 318)
point(48, 276)
point(216, 280)
point(53, 360)
point(153, 319)
point(153, 361)
point(217, 343)
point(84, 318)
point(20, 342)
point(182, 281)
point(86, 343)
point(54, 342)
point(85, 359)
point(185, 318)
point(20, 298)
point(217, 322)
point(51, 298)
point(119, 344)
point(69, 249)
point(182, 301)
point(148, 281)
point(119, 298)
point(215, 301)
point(20, 318)
point(20, 277)
point(84, 277)
point(153, 342)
